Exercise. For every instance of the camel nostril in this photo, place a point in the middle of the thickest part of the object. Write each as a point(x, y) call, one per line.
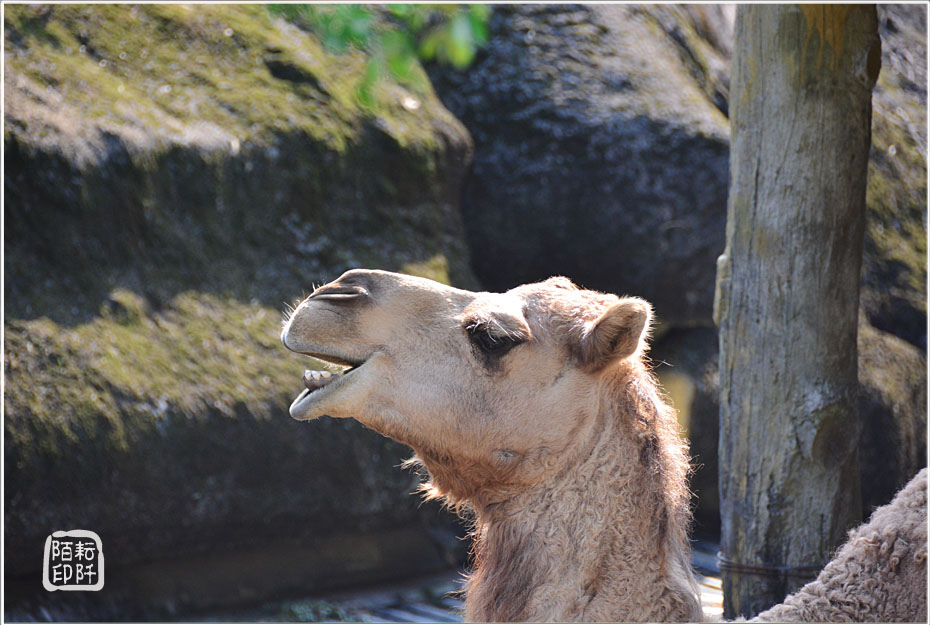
point(337, 292)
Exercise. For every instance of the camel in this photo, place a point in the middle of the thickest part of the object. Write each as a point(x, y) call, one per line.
point(535, 410)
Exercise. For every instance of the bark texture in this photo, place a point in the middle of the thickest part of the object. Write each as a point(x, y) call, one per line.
point(787, 293)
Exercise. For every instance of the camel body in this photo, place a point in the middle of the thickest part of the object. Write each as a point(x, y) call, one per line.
point(534, 409)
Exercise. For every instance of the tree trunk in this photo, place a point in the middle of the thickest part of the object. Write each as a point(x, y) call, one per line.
point(788, 294)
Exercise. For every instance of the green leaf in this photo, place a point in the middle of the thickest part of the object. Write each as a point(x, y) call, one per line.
point(394, 37)
point(365, 91)
point(479, 11)
point(430, 45)
point(479, 26)
point(460, 46)
point(399, 10)
point(399, 54)
point(397, 42)
point(358, 25)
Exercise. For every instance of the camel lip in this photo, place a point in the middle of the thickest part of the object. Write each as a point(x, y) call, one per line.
point(331, 359)
point(325, 357)
point(302, 407)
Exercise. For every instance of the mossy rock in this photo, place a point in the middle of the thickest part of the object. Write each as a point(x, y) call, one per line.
point(893, 412)
point(105, 169)
point(894, 271)
point(153, 238)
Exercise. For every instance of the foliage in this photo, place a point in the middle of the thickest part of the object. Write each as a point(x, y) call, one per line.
point(395, 37)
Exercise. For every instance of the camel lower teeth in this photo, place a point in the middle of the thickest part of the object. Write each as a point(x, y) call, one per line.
point(317, 379)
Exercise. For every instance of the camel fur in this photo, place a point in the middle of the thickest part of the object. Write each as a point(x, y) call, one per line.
point(534, 409)
point(879, 575)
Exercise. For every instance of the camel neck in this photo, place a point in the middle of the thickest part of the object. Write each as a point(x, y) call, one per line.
point(598, 543)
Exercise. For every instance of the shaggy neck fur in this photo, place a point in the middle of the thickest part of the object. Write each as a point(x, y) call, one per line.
point(606, 539)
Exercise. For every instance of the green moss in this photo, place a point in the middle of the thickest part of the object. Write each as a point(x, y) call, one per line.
point(202, 68)
point(202, 353)
point(436, 268)
point(896, 239)
point(108, 336)
point(125, 307)
point(258, 148)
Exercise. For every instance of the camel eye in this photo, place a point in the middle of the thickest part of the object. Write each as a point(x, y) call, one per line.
point(490, 344)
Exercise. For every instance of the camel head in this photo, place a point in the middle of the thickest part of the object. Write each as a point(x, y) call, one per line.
point(491, 390)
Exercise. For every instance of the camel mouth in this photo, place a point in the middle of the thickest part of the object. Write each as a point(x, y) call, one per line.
point(319, 383)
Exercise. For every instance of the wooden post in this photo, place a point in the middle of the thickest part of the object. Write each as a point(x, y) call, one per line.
point(788, 293)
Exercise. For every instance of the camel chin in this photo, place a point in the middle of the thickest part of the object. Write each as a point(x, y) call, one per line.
point(305, 405)
point(341, 390)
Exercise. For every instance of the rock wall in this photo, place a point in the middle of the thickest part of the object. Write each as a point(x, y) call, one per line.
point(894, 269)
point(174, 177)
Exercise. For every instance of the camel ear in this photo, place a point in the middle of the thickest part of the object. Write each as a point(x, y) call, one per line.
point(616, 334)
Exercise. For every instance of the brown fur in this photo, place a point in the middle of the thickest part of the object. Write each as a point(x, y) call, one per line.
point(624, 553)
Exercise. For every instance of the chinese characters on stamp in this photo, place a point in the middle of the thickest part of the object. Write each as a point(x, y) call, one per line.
point(73, 561)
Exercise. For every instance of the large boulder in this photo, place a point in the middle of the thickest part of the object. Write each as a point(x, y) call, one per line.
point(598, 155)
point(175, 175)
